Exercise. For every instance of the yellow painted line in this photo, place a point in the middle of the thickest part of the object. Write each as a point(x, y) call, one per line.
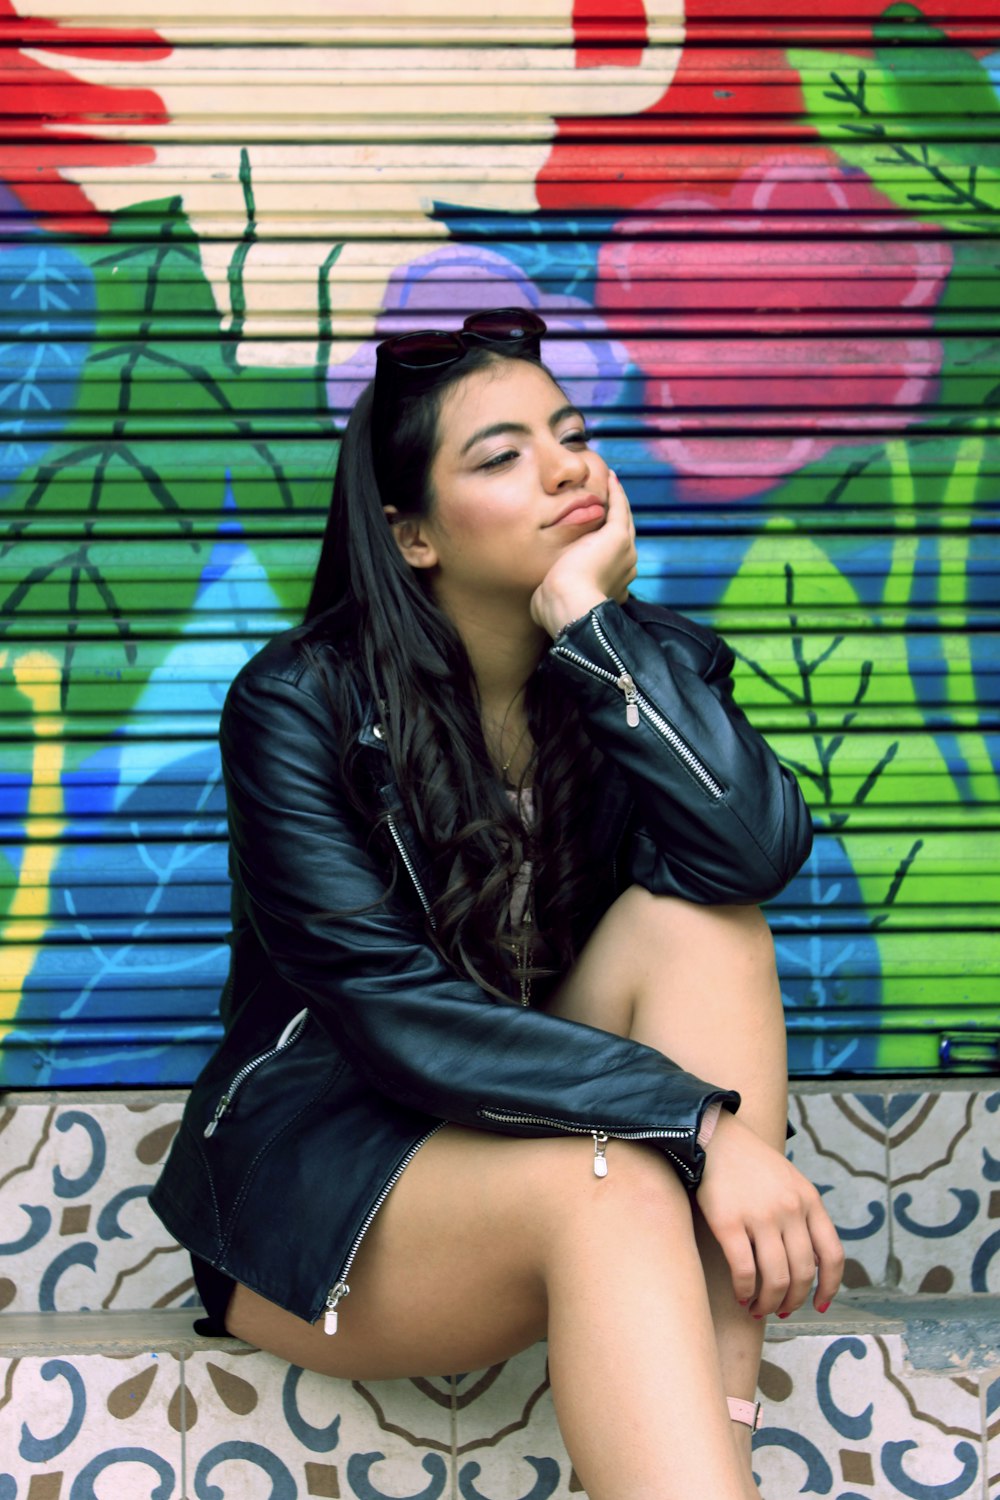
point(36, 674)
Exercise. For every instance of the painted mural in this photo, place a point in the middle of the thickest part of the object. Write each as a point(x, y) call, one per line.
point(768, 255)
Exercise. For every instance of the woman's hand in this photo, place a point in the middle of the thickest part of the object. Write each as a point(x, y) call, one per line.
point(599, 565)
point(769, 1221)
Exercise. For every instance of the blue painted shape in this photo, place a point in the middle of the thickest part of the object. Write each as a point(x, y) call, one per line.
point(546, 1482)
point(42, 1450)
point(993, 1396)
point(892, 1467)
point(39, 1222)
point(84, 1254)
point(46, 292)
point(359, 1466)
point(968, 1207)
point(993, 1102)
point(823, 969)
point(83, 1484)
point(75, 1187)
point(865, 1231)
point(981, 1261)
point(8, 1487)
point(991, 1166)
point(108, 1227)
point(316, 1439)
point(283, 1486)
point(848, 1426)
point(819, 1475)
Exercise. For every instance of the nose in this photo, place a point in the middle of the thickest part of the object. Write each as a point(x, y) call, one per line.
point(563, 467)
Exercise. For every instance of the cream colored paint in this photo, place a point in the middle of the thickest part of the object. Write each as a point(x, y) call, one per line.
point(347, 191)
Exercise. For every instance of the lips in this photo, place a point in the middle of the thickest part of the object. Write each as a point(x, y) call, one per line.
point(581, 510)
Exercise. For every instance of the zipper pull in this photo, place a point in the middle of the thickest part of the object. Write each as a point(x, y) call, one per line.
point(631, 692)
point(600, 1146)
point(220, 1110)
point(336, 1294)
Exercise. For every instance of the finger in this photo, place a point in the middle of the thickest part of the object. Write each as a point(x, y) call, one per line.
point(774, 1277)
point(801, 1266)
point(738, 1250)
point(829, 1255)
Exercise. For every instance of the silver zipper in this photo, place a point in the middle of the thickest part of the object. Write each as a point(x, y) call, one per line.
point(404, 855)
point(635, 702)
point(601, 1135)
point(290, 1034)
point(340, 1288)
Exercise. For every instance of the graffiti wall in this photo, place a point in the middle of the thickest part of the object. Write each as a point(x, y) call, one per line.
point(767, 240)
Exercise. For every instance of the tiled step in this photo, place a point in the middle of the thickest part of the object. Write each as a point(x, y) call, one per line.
point(907, 1173)
point(886, 1397)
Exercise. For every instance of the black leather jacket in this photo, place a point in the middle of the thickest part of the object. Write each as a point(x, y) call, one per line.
point(349, 1039)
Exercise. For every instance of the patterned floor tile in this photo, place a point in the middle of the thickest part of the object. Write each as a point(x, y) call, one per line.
point(77, 1231)
point(843, 1419)
point(94, 1426)
point(257, 1426)
point(991, 1408)
point(944, 1192)
point(508, 1442)
point(841, 1146)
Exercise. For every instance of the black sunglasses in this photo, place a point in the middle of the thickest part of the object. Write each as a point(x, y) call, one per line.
point(509, 329)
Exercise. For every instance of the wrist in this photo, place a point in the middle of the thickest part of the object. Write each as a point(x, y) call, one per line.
point(565, 609)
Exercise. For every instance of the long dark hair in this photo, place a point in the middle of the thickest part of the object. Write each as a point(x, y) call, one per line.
point(399, 650)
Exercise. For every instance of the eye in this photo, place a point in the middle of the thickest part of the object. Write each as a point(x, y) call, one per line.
point(577, 436)
point(499, 458)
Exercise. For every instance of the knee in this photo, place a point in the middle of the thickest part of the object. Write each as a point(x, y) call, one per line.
point(640, 1192)
point(672, 918)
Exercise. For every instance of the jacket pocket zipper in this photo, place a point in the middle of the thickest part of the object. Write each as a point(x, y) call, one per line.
point(291, 1033)
point(340, 1288)
point(601, 1135)
point(636, 703)
point(411, 868)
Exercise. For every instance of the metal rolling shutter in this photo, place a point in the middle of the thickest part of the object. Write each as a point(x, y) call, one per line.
point(767, 243)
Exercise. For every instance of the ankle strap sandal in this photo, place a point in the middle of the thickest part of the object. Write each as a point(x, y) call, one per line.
point(750, 1412)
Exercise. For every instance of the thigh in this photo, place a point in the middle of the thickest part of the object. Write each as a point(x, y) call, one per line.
point(450, 1275)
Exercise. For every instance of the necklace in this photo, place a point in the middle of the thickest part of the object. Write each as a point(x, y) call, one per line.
point(506, 765)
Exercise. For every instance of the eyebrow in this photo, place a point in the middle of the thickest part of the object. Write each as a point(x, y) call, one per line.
point(496, 428)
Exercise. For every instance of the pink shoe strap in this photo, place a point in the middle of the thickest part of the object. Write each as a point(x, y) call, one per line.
point(749, 1412)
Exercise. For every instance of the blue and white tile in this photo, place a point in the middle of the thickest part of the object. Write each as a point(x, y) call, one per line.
point(95, 1427)
point(256, 1426)
point(853, 1423)
point(509, 1446)
point(842, 1147)
point(76, 1230)
point(944, 1192)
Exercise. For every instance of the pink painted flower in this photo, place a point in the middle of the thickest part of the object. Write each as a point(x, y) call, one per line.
point(823, 339)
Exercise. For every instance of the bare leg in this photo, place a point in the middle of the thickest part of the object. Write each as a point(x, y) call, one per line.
point(703, 989)
point(486, 1243)
point(504, 1240)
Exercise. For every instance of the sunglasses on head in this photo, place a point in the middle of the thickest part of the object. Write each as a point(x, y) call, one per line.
point(506, 329)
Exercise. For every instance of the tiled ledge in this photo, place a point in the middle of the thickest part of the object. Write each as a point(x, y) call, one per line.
point(884, 1397)
point(905, 1168)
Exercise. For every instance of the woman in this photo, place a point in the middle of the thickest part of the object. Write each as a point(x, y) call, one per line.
point(497, 834)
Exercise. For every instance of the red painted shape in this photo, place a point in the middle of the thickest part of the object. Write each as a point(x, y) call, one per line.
point(692, 371)
point(41, 100)
point(592, 26)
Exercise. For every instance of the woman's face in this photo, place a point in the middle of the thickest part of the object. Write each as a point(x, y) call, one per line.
point(513, 483)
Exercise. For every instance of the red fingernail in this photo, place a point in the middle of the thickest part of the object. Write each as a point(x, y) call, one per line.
point(759, 1317)
point(823, 1308)
point(784, 1315)
point(744, 1301)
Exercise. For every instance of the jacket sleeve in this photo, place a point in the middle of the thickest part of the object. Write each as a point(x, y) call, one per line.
point(720, 819)
point(415, 1029)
